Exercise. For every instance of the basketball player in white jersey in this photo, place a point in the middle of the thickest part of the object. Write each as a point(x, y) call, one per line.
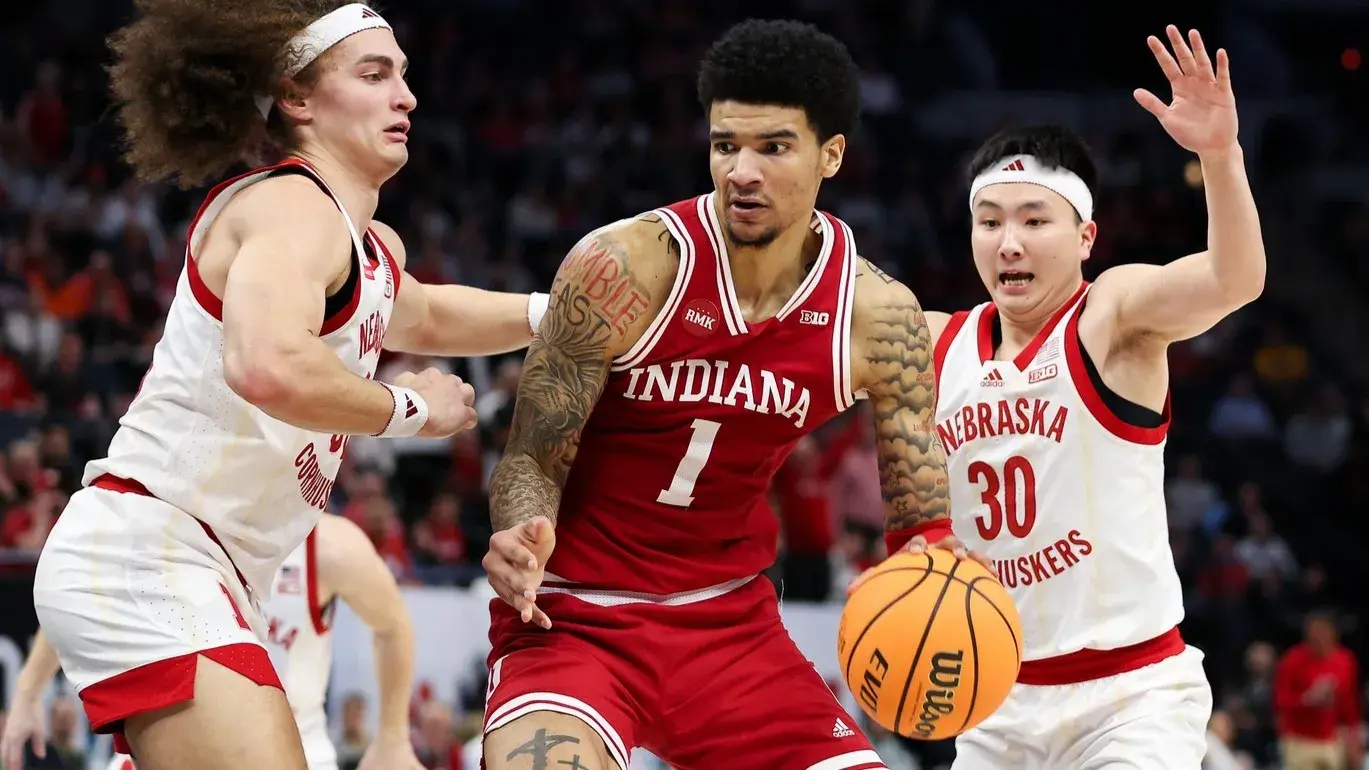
point(1053, 409)
point(148, 585)
point(336, 561)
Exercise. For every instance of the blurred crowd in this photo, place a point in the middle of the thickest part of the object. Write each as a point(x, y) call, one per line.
point(523, 142)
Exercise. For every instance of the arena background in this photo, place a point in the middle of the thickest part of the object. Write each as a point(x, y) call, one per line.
point(538, 121)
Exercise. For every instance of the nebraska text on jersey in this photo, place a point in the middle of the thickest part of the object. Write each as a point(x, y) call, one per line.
point(1005, 417)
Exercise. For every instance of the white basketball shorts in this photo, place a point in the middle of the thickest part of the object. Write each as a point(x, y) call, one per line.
point(1153, 718)
point(129, 592)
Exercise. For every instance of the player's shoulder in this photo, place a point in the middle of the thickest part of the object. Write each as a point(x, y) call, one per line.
point(875, 290)
point(288, 204)
point(1107, 290)
point(879, 297)
point(638, 252)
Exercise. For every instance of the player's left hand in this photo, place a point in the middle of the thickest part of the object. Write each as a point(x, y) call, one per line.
point(1201, 115)
point(390, 754)
point(516, 563)
point(919, 544)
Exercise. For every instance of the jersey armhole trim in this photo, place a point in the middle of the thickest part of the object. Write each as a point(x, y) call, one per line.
point(1093, 401)
point(213, 204)
point(943, 342)
point(841, 329)
point(639, 351)
point(814, 277)
point(390, 261)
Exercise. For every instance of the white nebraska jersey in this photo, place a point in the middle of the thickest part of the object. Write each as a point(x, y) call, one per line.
point(301, 650)
point(1066, 498)
point(258, 483)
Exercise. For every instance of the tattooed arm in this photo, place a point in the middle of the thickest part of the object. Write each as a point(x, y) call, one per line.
point(892, 359)
point(606, 292)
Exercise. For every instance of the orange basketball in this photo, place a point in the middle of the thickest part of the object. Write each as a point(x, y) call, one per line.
point(930, 644)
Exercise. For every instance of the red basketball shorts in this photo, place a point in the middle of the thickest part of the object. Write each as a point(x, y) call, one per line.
point(704, 680)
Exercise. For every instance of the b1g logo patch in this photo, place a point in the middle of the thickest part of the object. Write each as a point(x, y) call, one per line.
point(701, 318)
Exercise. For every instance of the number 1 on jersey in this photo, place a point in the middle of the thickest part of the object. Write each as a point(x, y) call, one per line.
point(680, 493)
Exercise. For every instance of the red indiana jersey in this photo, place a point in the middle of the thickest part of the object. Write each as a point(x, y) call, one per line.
point(668, 490)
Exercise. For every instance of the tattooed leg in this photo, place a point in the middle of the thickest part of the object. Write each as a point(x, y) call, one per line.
point(546, 741)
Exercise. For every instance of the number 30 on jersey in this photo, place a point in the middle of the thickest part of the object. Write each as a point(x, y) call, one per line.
point(1009, 495)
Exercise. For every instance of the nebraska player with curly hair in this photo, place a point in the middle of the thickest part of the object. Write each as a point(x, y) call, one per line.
point(148, 585)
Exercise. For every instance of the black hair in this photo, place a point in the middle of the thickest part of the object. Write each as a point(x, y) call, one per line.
point(1052, 146)
point(788, 64)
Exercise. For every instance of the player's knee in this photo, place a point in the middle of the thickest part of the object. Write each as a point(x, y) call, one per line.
point(546, 741)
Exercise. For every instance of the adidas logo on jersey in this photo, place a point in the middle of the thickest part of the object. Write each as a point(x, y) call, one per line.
point(994, 380)
point(841, 730)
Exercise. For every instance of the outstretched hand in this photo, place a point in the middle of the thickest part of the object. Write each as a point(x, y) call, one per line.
point(516, 563)
point(1201, 114)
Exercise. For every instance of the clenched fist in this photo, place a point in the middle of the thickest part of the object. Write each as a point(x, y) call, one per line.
point(451, 402)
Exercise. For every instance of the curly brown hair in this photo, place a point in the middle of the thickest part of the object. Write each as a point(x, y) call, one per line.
point(186, 77)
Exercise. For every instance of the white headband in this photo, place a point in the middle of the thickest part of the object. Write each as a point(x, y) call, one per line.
point(1027, 169)
point(324, 33)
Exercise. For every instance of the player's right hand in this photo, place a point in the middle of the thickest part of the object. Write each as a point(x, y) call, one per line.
point(25, 725)
point(516, 563)
point(451, 402)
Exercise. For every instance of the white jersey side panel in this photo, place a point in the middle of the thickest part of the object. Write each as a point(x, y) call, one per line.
point(298, 639)
point(258, 483)
point(1066, 500)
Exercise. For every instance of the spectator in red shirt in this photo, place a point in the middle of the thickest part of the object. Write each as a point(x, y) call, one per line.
point(16, 392)
point(1316, 701)
point(380, 522)
point(437, 536)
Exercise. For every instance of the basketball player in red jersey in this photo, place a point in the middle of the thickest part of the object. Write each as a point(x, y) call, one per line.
point(1054, 408)
point(147, 587)
point(684, 354)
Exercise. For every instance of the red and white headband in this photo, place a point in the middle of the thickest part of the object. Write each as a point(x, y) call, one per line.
point(324, 33)
point(1028, 170)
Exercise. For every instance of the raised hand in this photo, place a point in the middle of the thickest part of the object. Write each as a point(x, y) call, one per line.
point(1201, 114)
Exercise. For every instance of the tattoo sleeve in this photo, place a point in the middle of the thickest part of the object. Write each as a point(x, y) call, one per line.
point(595, 301)
point(912, 461)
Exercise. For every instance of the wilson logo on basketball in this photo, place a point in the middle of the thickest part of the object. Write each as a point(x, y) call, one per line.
point(939, 698)
point(701, 318)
